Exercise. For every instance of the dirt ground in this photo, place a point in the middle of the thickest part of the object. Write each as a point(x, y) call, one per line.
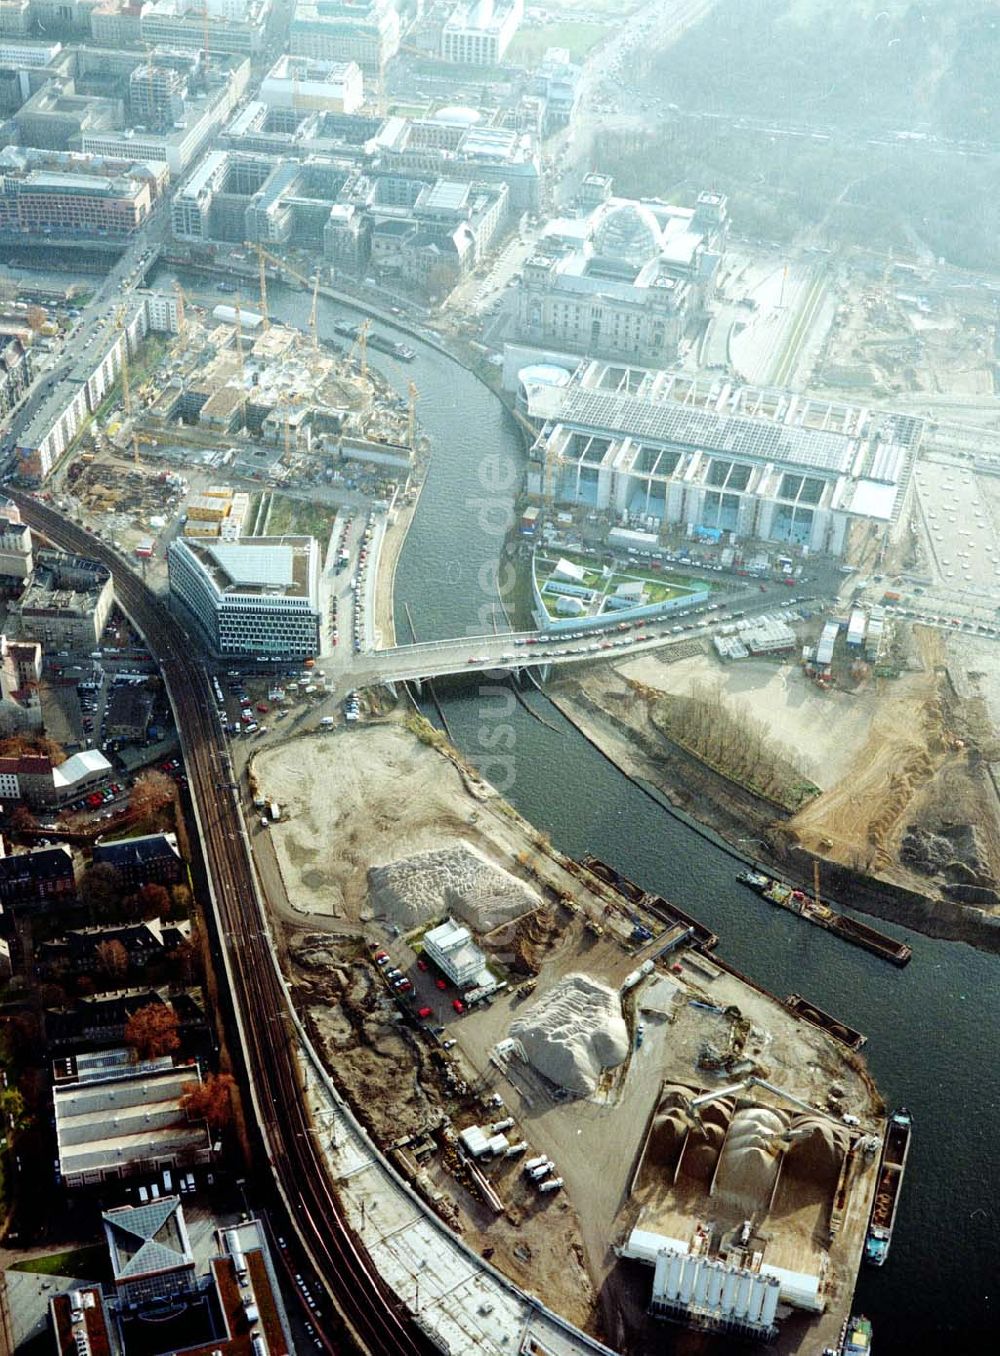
point(376, 793)
point(824, 729)
point(894, 758)
point(383, 796)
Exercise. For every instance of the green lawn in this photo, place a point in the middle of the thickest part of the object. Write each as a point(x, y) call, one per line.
point(84, 1264)
point(301, 516)
point(531, 44)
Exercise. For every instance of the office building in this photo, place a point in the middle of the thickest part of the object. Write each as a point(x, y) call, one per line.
point(363, 31)
point(478, 32)
point(150, 859)
point(15, 375)
point(20, 671)
point(301, 85)
point(81, 950)
point(255, 597)
point(62, 415)
point(557, 83)
point(34, 779)
point(450, 947)
point(37, 879)
point(231, 1308)
point(233, 26)
point(74, 201)
point(99, 1020)
point(175, 103)
point(668, 449)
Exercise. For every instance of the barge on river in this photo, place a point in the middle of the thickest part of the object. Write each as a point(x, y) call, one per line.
point(890, 1182)
point(839, 1030)
point(820, 913)
point(376, 341)
point(661, 908)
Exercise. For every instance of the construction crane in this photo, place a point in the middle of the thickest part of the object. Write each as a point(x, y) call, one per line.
point(283, 266)
point(126, 390)
point(239, 342)
point(313, 324)
point(263, 288)
point(361, 346)
point(181, 322)
point(693, 1107)
point(411, 416)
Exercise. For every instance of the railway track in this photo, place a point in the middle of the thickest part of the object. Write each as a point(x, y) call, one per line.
point(370, 1316)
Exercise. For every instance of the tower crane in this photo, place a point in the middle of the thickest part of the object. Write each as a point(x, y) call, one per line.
point(313, 325)
point(126, 389)
point(411, 416)
point(263, 288)
point(239, 342)
point(361, 345)
point(181, 322)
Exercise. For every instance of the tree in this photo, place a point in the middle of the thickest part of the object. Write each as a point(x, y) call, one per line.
point(151, 1031)
point(112, 959)
point(180, 896)
point(36, 317)
point(101, 890)
point(211, 1101)
point(17, 746)
point(11, 1107)
point(22, 820)
point(151, 791)
point(149, 901)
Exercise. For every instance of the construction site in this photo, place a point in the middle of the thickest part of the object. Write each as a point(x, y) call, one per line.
point(557, 1060)
point(262, 407)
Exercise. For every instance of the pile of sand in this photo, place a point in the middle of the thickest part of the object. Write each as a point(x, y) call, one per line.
point(573, 1033)
point(458, 881)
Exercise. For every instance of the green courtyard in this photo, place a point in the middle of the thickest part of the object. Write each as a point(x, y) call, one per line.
point(657, 587)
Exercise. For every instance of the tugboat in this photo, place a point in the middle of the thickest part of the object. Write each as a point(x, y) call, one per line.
point(890, 1182)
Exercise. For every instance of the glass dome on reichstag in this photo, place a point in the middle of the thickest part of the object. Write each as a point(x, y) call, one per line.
point(628, 233)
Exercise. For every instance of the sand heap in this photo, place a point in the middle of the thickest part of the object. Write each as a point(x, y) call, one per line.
point(573, 1033)
point(458, 881)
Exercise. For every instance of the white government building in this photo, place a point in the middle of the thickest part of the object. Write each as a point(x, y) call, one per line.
point(668, 449)
point(257, 596)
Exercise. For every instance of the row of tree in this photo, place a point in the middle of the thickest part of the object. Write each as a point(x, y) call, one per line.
point(726, 736)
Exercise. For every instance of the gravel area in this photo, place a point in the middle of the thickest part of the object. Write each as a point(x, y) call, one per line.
point(456, 880)
point(573, 1033)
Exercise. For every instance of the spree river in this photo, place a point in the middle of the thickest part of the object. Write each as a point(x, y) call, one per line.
point(932, 1028)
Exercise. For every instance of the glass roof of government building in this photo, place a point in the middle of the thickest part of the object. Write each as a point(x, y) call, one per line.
point(687, 426)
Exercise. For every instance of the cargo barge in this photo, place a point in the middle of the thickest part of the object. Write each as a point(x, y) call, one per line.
point(840, 1031)
point(890, 1182)
point(814, 910)
point(376, 341)
point(701, 936)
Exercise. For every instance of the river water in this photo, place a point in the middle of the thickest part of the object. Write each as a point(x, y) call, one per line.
point(932, 1027)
